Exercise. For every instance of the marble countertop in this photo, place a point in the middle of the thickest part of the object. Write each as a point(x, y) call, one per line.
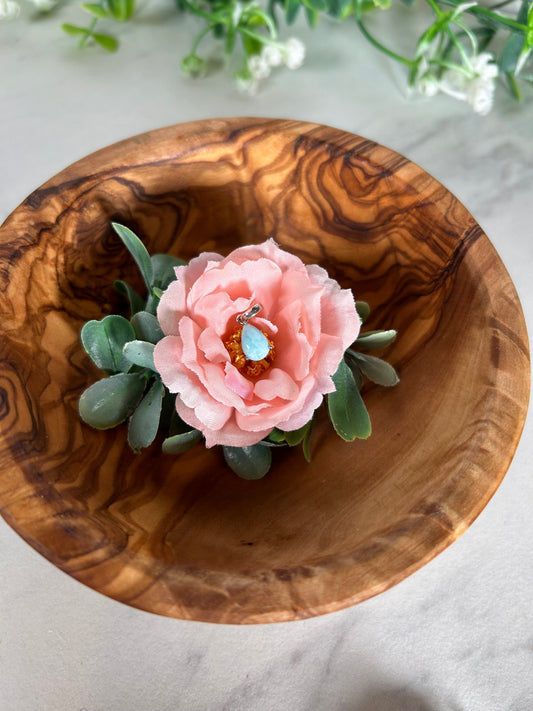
point(455, 636)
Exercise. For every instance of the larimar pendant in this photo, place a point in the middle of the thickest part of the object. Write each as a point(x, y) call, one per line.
point(251, 351)
point(255, 345)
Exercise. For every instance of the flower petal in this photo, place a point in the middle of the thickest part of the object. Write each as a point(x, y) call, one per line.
point(276, 384)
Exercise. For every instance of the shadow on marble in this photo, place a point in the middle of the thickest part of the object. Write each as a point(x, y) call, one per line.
point(392, 700)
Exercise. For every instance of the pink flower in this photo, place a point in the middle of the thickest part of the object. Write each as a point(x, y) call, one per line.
point(307, 316)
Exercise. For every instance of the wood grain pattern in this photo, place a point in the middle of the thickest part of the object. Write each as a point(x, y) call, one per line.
point(182, 536)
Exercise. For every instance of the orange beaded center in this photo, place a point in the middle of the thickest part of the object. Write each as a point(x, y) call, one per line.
point(250, 368)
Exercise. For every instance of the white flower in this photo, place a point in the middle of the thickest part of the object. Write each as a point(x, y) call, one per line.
point(294, 53)
point(9, 9)
point(425, 82)
point(272, 55)
point(246, 85)
point(428, 85)
point(480, 95)
point(483, 65)
point(258, 67)
point(473, 84)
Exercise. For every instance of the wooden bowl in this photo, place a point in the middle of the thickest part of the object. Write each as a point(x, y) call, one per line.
point(182, 536)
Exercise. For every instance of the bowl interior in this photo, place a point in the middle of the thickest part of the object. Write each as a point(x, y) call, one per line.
point(181, 535)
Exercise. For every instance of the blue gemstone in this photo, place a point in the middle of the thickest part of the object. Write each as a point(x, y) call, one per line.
point(254, 344)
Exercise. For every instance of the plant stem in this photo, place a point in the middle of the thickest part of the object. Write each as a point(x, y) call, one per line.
point(412, 64)
point(200, 37)
point(196, 11)
point(260, 38)
point(476, 10)
point(90, 30)
point(500, 4)
point(436, 9)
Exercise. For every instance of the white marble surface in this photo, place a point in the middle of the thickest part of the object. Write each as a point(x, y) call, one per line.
point(455, 636)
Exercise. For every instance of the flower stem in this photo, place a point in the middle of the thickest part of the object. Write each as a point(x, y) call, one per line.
point(373, 41)
point(436, 9)
point(90, 30)
point(200, 37)
point(260, 38)
point(197, 11)
point(477, 10)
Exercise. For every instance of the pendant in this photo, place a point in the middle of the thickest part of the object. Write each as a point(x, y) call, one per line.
point(254, 343)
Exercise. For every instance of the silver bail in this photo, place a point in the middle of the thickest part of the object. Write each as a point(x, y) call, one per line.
point(243, 319)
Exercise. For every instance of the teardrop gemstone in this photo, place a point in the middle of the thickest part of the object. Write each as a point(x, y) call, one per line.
point(254, 343)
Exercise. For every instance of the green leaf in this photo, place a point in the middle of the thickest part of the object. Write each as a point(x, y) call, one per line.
point(121, 10)
point(110, 401)
point(276, 435)
point(136, 301)
point(249, 462)
point(316, 5)
point(340, 9)
point(356, 372)
point(346, 408)
point(146, 327)
point(104, 341)
point(144, 423)
point(372, 340)
point(163, 266)
point(137, 250)
point(294, 437)
point(363, 309)
point(306, 444)
point(514, 49)
point(181, 442)
point(375, 369)
point(513, 86)
point(74, 30)
point(110, 44)
point(95, 9)
point(312, 16)
point(292, 8)
point(140, 353)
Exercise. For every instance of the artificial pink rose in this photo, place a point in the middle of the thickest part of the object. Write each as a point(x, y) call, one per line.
point(310, 319)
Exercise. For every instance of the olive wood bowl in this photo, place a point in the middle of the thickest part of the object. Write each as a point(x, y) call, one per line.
point(182, 536)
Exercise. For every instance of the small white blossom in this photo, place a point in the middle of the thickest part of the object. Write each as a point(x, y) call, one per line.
point(426, 83)
point(294, 53)
point(480, 95)
point(9, 9)
point(247, 85)
point(475, 85)
point(483, 65)
point(259, 68)
point(272, 55)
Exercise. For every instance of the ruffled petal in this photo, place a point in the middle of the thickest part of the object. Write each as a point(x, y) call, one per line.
point(231, 435)
point(276, 384)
